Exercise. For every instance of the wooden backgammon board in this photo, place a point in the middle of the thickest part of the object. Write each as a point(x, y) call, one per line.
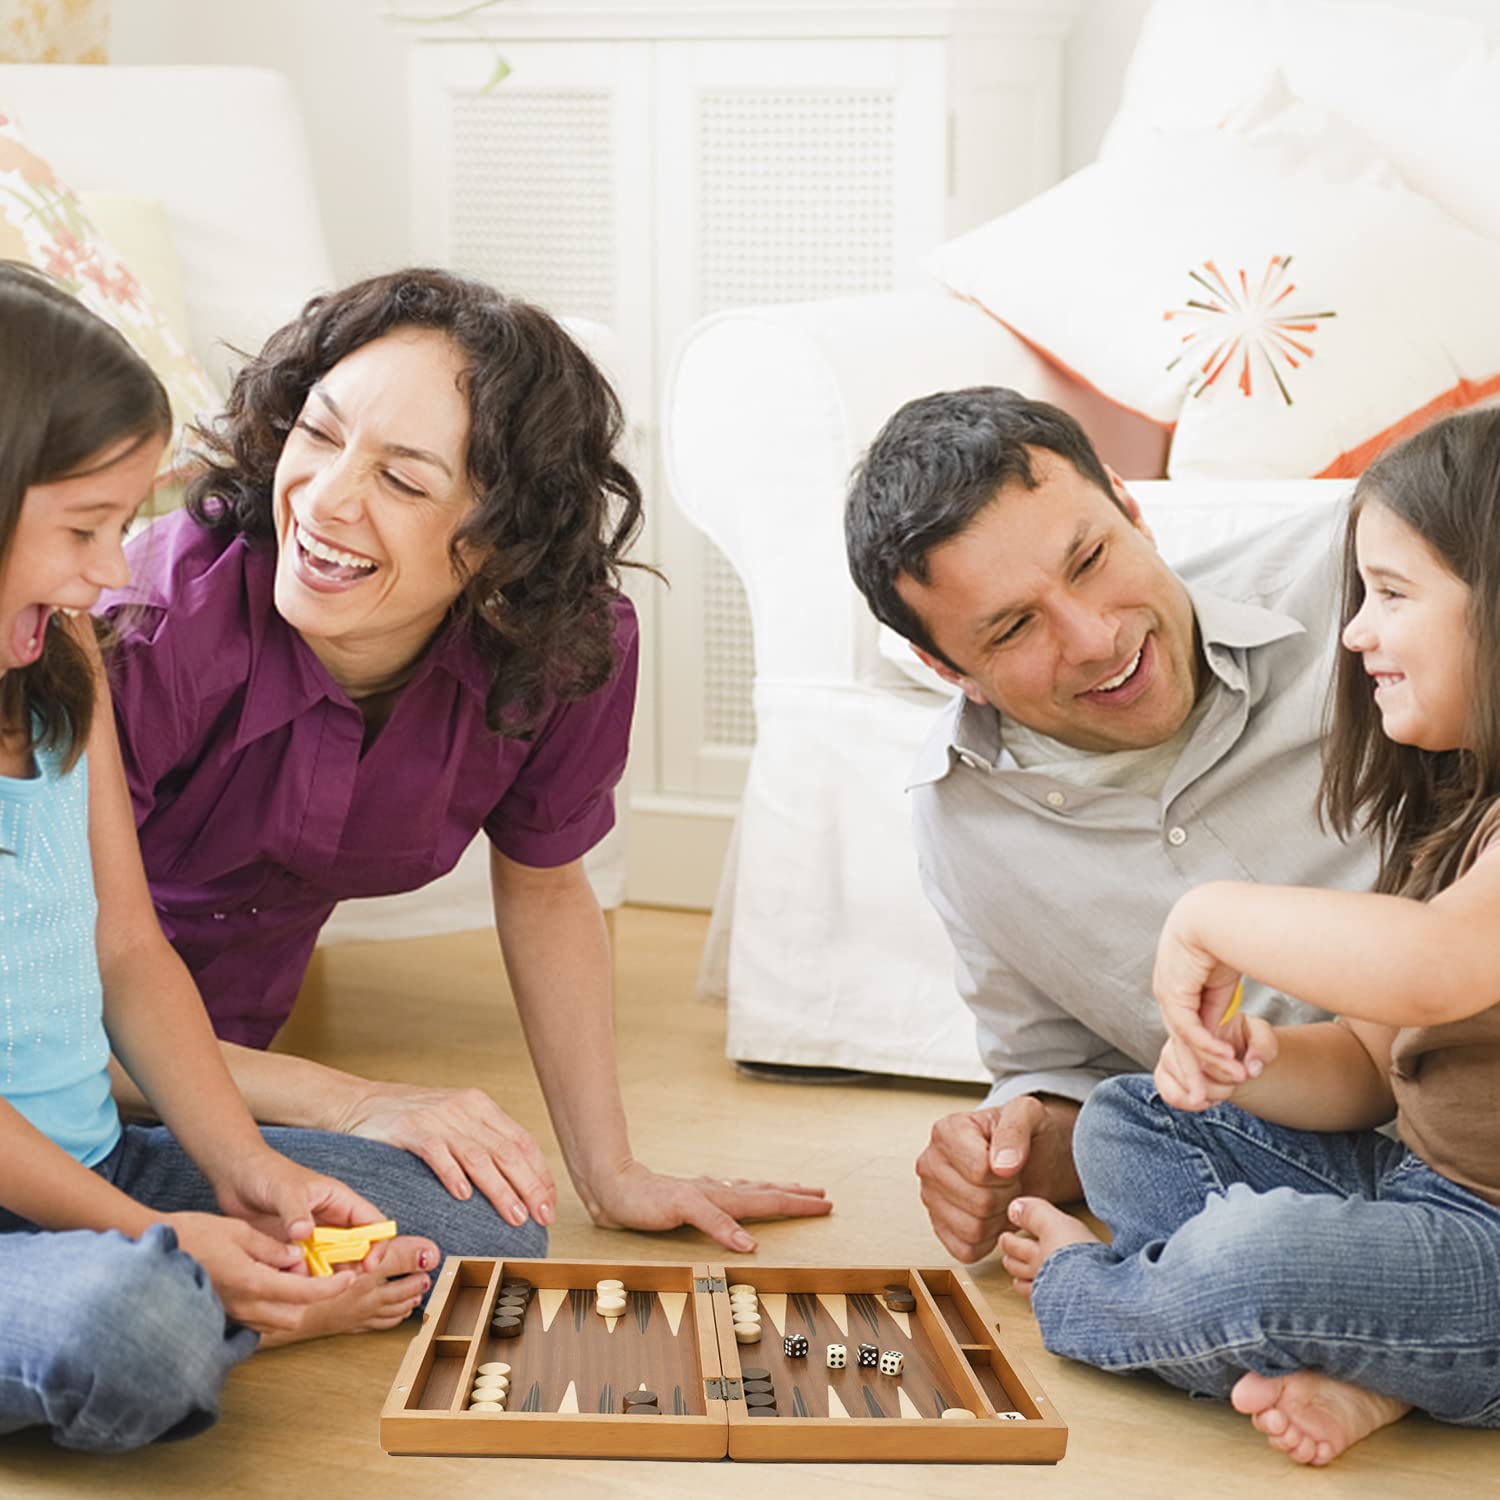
point(575, 1381)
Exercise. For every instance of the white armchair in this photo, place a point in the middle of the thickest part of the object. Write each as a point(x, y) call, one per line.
point(833, 955)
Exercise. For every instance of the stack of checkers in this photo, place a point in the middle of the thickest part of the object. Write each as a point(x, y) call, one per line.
point(760, 1394)
point(744, 1308)
point(641, 1403)
point(510, 1308)
point(491, 1386)
point(609, 1298)
point(900, 1298)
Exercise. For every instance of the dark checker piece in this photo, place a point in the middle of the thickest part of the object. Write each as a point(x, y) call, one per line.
point(760, 1398)
point(762, 1411)
point(506, 1328)
point(640, 1398)
point(643, 1409)
point(515, 1284)
point(757, 1385)
point(897, 1289)
point(754, 1372)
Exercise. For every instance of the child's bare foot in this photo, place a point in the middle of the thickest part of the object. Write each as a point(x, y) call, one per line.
point(1047, 1229)
point(372, 1301)
point(1310, 1416)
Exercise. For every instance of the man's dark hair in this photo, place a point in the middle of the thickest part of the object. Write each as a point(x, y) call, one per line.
point(931, 470)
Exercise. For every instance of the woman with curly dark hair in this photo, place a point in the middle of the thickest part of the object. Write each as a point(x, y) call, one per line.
point(389, 618)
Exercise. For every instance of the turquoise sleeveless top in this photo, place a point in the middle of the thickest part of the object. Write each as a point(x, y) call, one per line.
point(54, 1054)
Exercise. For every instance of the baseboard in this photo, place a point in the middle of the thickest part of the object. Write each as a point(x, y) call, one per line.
point(677, 848)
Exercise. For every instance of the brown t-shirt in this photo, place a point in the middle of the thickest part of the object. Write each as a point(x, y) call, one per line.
point(1446, 1080)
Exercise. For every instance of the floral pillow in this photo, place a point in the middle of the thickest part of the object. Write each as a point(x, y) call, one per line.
point(43, 223)
point(1275, 297)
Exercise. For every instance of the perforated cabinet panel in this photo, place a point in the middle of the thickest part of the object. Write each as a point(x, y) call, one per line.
point(796, 193)
point(532, 202)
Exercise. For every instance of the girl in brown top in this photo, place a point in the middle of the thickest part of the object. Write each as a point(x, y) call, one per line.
point(1270, 1244)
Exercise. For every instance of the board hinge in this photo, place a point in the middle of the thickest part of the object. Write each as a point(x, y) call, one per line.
point(710, 1284)
point(727, 1389)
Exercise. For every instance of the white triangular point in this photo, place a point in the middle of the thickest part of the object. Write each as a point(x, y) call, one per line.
point(838, 1309)
point(907, 1405)
point(900, 1319)
point(569, 1401)
point(775, 1306)
point(609, 1323)
point(835, 1406)
point(549, 1299)
point(672, 1303)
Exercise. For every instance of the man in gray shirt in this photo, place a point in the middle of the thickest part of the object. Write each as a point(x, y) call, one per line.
point(1122, 733)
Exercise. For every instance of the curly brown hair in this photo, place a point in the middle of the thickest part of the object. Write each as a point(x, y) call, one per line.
point(71, 387)
point(556, 507)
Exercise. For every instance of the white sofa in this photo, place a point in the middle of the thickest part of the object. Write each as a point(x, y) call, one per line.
point(833, 955)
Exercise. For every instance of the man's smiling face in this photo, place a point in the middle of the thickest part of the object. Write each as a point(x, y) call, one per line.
point(1056, 607)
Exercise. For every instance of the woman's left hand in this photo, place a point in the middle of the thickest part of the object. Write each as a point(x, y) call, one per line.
point(638, 1198)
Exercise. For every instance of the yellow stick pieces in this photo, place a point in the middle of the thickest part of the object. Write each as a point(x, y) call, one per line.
point(1234, 1004)
point(329, 1247)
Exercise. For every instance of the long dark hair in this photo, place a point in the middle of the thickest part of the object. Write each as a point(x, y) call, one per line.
point(1423, 806)
point(556, 507)
point(70, 389)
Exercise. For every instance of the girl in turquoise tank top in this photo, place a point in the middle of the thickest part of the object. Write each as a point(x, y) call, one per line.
point(97, 1252)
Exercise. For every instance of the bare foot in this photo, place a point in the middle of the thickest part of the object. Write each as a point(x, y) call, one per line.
point(1046, 1229)
point(1311, 1416)
point(372, 1301)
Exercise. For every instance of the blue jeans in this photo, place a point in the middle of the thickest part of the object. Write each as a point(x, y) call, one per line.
point(114, 1343)
point(1245, 1246)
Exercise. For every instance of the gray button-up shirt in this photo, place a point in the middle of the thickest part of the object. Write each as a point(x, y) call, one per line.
point(1054, 894)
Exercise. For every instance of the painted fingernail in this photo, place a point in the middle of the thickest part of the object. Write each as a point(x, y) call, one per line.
point(426, 1283)
point(426, 1260)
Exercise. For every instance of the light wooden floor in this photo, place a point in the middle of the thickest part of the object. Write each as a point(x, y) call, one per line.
point(301, 1422)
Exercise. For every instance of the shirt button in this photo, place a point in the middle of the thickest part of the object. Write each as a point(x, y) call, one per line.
point(1177, 837)
point(1055, 799)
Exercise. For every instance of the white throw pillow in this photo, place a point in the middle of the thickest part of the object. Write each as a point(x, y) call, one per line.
point(1277, 296)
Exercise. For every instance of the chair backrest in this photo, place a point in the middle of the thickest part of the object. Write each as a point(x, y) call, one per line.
point(223, 149)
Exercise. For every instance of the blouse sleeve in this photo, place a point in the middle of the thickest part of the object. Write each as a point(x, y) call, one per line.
point(156, 707)
point(562, 801)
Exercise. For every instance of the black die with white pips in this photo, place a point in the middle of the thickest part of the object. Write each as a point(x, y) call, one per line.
point(869, 1356)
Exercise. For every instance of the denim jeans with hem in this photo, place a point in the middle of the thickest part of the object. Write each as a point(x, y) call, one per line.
point(1246, 1246)
point(114, 1343)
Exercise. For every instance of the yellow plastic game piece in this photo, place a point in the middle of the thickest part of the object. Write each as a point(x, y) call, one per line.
point(1234, 1004)
point(329, 1246)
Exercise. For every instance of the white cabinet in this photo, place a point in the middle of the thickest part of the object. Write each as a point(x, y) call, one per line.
point(644, 165)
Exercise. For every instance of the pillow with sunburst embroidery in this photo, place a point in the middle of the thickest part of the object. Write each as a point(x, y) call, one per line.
point(1276, 297)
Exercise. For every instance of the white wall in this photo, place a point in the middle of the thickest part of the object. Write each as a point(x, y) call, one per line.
point(348, 68)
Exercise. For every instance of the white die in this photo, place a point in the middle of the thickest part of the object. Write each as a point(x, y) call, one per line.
point(892, 1362)
point(838, 1356)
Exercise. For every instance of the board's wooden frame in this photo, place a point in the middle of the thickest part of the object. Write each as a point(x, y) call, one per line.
point(980, 1368)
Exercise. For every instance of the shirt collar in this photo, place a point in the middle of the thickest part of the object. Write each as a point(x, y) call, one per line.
point(970, 732)
point(286, 678)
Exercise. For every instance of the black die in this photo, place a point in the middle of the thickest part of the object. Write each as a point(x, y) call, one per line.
point(869, 1355)
point(794, 1346)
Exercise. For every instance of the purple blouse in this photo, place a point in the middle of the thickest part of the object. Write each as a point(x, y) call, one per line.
point(256, 806)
